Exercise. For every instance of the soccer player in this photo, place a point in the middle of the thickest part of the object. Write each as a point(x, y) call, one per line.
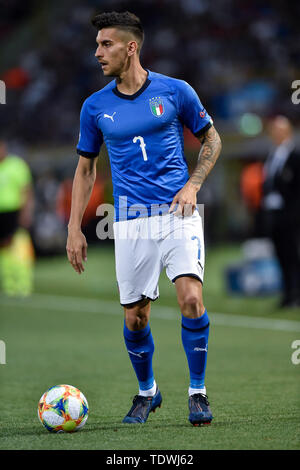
point(140, 116)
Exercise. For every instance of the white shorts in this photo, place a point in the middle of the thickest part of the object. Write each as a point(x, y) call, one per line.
point(145, 245)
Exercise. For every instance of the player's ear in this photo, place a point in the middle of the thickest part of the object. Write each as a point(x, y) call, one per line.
point(132, 47)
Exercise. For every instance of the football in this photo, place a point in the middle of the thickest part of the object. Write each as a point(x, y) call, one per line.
point(63, 408)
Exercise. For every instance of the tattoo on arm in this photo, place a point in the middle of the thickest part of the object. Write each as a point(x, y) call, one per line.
point(208, 155)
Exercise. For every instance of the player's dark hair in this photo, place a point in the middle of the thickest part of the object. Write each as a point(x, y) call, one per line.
point(125, 21)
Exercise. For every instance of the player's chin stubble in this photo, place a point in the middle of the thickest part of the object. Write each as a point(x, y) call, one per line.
point(110, 72)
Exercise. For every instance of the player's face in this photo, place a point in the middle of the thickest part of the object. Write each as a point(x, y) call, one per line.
point(112, 51)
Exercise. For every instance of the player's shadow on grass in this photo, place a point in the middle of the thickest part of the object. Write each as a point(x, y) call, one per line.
point(116, 426)
point(119, 426)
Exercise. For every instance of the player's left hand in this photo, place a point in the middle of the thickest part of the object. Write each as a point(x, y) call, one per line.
point(76, 249)
point(185, 200)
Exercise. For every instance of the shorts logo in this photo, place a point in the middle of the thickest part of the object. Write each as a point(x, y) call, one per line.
point(202, 114)
point(157, 106)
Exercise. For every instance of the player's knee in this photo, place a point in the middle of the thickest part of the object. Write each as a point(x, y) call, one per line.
point(135, 323)
point(191, 305)
point(135, 319)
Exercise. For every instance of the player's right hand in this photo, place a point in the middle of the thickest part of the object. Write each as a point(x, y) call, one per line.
point(76, 249)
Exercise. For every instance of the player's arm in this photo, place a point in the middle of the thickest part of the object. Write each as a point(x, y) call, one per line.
point(26, 212)
point(208, 155)
point(83, 183)
point(210, 150)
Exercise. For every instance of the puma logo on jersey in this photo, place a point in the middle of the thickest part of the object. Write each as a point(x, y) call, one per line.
point(110, 117)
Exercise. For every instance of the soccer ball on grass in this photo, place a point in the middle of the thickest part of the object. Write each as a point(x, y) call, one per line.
point(63, 408)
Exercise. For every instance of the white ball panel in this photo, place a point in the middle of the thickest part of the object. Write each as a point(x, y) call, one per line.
point(52, 418)
point(74, 407)
point(54, 394)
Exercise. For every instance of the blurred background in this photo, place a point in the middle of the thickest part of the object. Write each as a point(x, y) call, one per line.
point(241, 58)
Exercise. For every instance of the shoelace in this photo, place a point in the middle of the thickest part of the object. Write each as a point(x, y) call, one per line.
point(140, 398)
point(202, 398)
point(138, 404)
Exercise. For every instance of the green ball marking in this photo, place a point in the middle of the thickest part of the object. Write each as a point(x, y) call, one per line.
point(69, 426)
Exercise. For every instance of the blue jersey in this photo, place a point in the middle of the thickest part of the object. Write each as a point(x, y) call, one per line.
point(143, 134)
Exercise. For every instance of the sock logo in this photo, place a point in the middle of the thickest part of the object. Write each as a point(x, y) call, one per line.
point(201, 349)
point(136, 354)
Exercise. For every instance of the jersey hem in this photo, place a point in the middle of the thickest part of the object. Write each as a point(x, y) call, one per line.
point(188, 275)
point(203, 130)
point(124, 304)
point(82, 153)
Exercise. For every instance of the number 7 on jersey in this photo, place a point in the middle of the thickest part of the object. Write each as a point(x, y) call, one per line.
point(142, 145)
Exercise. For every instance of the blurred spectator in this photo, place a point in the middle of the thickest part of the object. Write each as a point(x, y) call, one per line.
point(16, 209)
point(281, 203)
point(251, 185)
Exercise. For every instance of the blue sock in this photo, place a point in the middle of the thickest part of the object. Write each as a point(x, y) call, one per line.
point(194, 334)
point(140, 347)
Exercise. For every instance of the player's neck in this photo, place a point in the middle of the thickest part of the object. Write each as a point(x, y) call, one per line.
point(132, 79)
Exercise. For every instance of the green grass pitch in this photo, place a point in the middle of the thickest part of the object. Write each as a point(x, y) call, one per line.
point(70, 331)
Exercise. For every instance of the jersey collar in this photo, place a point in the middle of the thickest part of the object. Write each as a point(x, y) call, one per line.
point(136, 94)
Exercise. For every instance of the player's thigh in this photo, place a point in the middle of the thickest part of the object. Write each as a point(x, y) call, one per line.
point(183, 248)
point(138, 263)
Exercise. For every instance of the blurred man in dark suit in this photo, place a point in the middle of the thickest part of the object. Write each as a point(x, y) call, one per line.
point(281, 206)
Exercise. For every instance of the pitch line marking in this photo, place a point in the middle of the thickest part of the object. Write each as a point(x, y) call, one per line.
point(109, 307)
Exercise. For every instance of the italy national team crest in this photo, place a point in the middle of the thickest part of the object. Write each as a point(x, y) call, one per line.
point(157, 106)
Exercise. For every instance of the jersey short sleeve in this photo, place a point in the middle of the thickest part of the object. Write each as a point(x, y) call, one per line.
point(90, 136)
point(191, 110)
